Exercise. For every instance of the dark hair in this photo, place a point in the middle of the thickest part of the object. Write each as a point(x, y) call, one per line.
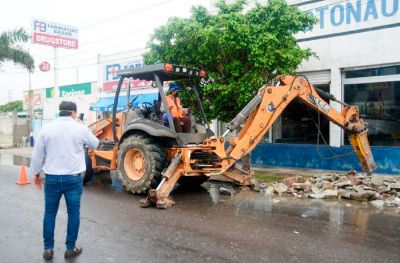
point(66, 108)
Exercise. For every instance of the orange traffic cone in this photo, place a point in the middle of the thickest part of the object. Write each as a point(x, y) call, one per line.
point(23, 178)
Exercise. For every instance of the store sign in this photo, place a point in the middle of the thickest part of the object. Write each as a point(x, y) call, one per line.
point(338, 17)
point(76, 90)
point(54, 34)
point(112, 69)
point(44, 66)
point(135, 84)
point(111, 77)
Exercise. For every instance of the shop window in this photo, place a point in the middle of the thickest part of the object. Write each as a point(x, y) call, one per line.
point(373, 72)
point(379, 105)
point(298, 124)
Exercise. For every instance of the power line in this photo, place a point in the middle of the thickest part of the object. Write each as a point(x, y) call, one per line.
point(83, 65)
point(118, 17)
point(125, 14)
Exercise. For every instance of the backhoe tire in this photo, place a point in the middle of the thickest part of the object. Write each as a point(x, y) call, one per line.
point(88, 174)
point(141, 159)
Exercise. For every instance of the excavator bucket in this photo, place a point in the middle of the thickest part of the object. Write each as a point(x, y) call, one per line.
point(363, 151)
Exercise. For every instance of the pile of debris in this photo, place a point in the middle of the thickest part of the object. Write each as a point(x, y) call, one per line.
point(379, 190)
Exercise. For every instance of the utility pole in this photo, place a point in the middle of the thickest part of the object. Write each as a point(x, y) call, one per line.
point(10, 96)
point(56, 88)
point(30, 107)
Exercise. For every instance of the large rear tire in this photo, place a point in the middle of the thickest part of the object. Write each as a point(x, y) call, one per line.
point(141, 159)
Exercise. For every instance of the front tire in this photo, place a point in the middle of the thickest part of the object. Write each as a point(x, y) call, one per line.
point(141, 159)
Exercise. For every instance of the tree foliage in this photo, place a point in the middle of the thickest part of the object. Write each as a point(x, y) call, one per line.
point(10, 48)
point(11, 106)
point(239, 50)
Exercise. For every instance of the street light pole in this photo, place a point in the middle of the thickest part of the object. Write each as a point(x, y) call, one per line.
point(56, 88)
point(30, 107)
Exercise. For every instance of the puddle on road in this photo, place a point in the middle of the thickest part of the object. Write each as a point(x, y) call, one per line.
point(11, 159)
point(261, 205)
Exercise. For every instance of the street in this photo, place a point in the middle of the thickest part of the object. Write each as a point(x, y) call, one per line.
point(203, 226)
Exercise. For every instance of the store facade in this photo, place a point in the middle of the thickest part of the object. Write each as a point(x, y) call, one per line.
point(108, 66)
point(358, 61)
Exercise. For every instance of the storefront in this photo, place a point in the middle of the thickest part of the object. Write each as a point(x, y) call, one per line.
point(83, 94)
point(140, 91)
point(358, 61)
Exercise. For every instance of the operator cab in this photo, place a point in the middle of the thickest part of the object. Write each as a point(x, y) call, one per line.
point(149, 117)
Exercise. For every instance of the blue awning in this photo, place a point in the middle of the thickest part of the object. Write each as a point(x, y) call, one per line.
point(104, 102)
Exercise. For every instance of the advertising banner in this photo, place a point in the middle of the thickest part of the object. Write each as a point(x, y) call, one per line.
point(54, 34)
point(111, 78)
point(75, 90)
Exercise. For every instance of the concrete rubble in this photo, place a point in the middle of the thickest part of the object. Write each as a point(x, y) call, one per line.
point(380, 191)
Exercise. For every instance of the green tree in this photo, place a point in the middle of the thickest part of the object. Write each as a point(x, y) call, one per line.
point(10, 48)
point(11, 106)
point(240, 50)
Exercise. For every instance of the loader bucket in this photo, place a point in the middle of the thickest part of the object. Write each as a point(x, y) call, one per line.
point(363, 151)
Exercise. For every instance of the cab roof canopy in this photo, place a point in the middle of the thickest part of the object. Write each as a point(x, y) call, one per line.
point(165, 72)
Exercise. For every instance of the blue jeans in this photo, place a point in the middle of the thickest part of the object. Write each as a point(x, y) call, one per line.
point(55, 186)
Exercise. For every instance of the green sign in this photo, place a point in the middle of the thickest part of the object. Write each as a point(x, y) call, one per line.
point(75, 90)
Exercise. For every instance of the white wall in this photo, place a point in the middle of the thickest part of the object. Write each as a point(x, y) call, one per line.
point(50, 109)
point(339, 44)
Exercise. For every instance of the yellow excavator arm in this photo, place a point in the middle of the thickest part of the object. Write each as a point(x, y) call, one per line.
point(269, 103)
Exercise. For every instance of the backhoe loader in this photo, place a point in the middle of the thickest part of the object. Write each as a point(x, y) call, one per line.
point(150, 157)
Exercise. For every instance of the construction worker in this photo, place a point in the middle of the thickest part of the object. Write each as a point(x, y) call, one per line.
point(182, 122)
point(59, 152)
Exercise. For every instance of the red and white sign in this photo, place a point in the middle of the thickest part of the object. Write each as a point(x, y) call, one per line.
point(54, 34)
point(135, 84)
point(44, 66)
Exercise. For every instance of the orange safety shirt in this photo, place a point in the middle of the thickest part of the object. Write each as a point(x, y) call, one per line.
point(175, 106)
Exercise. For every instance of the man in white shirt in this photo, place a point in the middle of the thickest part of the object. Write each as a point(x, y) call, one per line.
point(59, 152)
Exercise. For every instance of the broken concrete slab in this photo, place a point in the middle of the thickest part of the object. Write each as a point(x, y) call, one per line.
point(354, 180)
point(327, 185)
point(359, 188)
point(226, 191)
point(363, 196)
point(353, 186)
point(305, 187)
point(345, 193)
point(395, 186)
point(393, 202)
point(376, 181)
point(377, 203)
point(344, 184)
point(280, 188)
point(326, 194)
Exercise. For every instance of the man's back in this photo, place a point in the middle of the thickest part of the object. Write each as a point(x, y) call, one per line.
point(62, 142)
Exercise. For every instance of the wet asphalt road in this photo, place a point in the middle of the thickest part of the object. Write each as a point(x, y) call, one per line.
point(202, 227)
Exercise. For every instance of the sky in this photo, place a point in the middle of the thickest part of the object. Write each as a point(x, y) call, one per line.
point(104, 27)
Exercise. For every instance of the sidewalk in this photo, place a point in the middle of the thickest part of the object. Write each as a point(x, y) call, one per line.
point(20, 151)
point(281, 171)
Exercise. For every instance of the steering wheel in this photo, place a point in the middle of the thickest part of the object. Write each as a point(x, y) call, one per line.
point(147, 105)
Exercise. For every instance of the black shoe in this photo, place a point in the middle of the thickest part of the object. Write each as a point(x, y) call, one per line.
point(69, 253)
point(48, 254)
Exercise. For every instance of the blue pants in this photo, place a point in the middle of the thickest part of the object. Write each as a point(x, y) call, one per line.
point(55, 186)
